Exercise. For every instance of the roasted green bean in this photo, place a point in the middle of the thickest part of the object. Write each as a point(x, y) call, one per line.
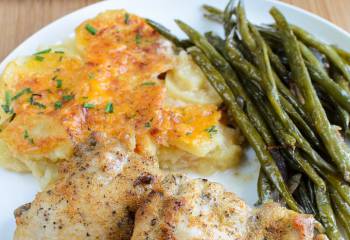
point(248, 130)
point(213, 13)
point(228, 13)
point(326, 49)
point(335, 146)
point(342, 53)
point(303, 198)
point(264, 188)
point(268, 79)
point(339, 185)
point(320, 76)
point(342, 210)
point(229, 75)
point(168, 35)
point(250, 71)
point(327, 214)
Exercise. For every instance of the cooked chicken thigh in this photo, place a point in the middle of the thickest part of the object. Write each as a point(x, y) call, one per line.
point(274, 222)
point(102, 187)
point(191, 209)
point(201, 210)
point(95, 198)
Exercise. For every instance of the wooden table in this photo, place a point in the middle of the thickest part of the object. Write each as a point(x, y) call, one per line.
point(20, 18)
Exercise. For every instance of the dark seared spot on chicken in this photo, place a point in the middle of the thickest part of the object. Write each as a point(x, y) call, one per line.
point(19, 211)
point(153, 221)
point(144, 179)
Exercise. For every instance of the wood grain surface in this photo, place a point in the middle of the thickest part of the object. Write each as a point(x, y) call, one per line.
point(21, 18)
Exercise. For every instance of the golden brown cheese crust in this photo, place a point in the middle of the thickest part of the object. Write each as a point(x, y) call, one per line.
point(122, 64)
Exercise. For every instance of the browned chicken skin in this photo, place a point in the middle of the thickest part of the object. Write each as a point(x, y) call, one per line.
point(197, 209)
point(101, 188)
point(95, 197)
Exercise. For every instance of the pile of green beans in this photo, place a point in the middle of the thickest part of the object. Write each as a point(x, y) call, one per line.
point(289, 94)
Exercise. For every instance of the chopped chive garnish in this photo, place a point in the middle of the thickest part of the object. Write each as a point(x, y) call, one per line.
point(39, 58)
point(88, 105)
point(59, 52)
point(90, 29)
point(43, 51)
point(126, 18)
point(35, 103)
point(58, 83)
point(26, 136)
point(211, 130)
point(7, 98)
point(6, 107)
point(109, 108)
point(147, 125)
point(21, 93)
point(138, 38)
point(58, 105)
point(67, 97)
point(148, 84)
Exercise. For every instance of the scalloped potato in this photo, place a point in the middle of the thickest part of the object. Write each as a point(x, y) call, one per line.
point(119, 78)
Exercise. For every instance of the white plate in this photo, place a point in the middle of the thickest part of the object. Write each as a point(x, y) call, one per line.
point(18, 189)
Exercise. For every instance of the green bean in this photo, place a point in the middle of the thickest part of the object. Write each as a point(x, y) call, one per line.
point(323, 203)
point(300, 122)
point(335, 146)
point(213, 13)
point(239, 62)
point(229, 75)
point(320, 76)
point(342, 188)
point(343, 221)
point(264, 188)
point(339, 201)
point(228, 12)
point(338, 78)
point(249, 40)
point(216, 41)
point(250, 71)
point(243, 27)
point(327, 50)
point(280, 133)
point(268, 80)
point(302, 196)
point(327, 214)
point(336, 114)
point(342, 53)
point(342, 210)
point(248, 130)
point(168, 35)
point(276, 63)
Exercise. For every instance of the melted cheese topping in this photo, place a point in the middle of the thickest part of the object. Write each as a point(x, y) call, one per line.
point(115, 85)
